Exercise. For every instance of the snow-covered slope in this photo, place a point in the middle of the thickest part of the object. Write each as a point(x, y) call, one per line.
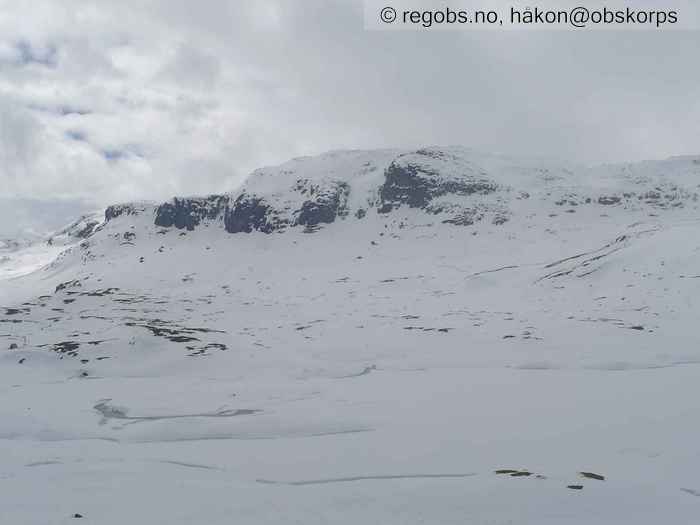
point(25, 255)
point(366, 337)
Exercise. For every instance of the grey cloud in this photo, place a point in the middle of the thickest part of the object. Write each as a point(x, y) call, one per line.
point(63, 110)
point(29, 54)
point(23, 53)
point(19, 140)
point(120, 153)
point(76, 135)
point(191, 67)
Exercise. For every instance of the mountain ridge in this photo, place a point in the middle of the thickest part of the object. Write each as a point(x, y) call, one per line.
point(453, 185)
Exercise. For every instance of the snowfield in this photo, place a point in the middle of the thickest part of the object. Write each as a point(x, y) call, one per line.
point(435, 336)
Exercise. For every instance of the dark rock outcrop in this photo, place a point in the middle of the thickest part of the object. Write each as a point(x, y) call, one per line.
point(82, 228)
point(326, 205)
point(609, 200)
point(414, 185)
point(250, 213)
point(117, 210)
point(189, 213)
point(322, 204)
point(88, 229)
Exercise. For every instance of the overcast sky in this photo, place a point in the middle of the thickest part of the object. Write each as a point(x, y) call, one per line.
point(127, 99)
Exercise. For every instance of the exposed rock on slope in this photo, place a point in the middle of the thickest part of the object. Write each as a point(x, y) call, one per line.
point(250, 213)
point(415, 179)
point(129, 208)
point(190, 212)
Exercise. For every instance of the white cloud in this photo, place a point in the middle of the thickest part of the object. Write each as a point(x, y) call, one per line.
point(147, 99)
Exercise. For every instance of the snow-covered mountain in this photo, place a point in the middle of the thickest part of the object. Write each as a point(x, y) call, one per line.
point(453, 185)
point(427, 336)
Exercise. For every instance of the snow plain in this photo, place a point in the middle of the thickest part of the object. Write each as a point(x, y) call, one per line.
point(375, 371)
